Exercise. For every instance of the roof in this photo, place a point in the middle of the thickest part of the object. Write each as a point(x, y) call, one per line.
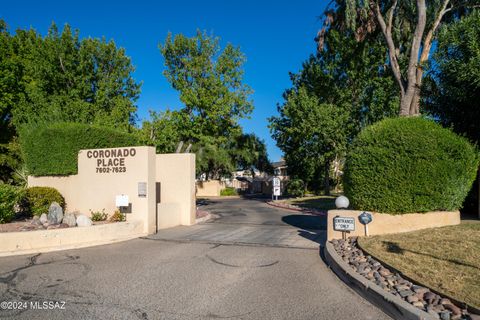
point(281, 163)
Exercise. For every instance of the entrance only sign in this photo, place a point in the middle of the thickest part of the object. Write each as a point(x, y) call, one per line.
point(343, 224)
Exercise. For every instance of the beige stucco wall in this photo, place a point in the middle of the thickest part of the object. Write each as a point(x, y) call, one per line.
point(14, 243)
point(176, 174)
point(386, 223)
point(94, 190)
point(209, 188)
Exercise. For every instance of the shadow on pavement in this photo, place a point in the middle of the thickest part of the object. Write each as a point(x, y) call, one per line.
point(312, 228)
point(205, 202)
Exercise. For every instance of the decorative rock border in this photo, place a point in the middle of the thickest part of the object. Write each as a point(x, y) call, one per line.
point(346, 255)
point(293, 207)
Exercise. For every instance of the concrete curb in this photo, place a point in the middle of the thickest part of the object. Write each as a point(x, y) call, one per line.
point(203, 219)
point(270, 203)
point(387, 302)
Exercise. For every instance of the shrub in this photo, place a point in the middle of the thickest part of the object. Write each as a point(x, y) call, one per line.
point(117, 216)
point(295, 188)
point(39, 199)
point(53, 149)
point(228, 191)
point(406, 165)
point(9, 197)
point(98, 216)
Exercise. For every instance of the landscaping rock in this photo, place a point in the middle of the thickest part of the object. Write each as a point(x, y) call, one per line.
point(433, 313)
point(429, 296)
point(36, 221)
point(84, 221)
point(406, 293)
point(445, 315)
point(55, 213)
point(419, 289)
point(43, 218)
point(418, 296)
point(70, 219)
point(454, 309)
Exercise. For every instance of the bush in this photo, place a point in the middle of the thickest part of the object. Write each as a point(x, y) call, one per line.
point(228, 191)
point(53, 149)
point(98, 216)
point(406, 165)
point(295, 188)
point(117, 216)
point(39, 199)
point(9, 197)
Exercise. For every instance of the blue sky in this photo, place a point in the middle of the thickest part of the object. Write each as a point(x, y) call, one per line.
point(276, 36)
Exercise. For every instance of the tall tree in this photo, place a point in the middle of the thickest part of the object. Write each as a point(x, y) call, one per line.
point(347, 86)
point(69, 79)
point(210, 83)
point(250, 153)
point(311, 134)
point(452, 89)
point(409, 29)
point(60, 77)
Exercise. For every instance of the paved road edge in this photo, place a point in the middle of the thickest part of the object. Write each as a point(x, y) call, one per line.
point(388, 303)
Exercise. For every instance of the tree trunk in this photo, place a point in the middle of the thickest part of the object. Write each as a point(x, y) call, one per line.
point(415, 104)
point(326, 181)
point(478, 209)
point(406, 102)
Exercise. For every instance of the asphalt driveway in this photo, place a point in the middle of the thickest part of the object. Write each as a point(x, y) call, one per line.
point(271, 270)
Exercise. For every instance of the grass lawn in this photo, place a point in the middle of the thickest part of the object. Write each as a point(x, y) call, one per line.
point(317, 202)
point(445, 259)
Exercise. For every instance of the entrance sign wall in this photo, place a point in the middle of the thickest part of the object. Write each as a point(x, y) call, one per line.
point(382, 223)
point(137, 172)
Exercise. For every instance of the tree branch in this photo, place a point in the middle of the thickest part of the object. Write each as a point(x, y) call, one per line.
point(70, 84)
point(427, 43)
point(390, 44)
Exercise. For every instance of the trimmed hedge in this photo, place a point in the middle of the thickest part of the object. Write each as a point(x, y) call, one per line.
point(53, 149)
point(38, 199)
point(228, 191)
point(406, 165)
point(9, 197)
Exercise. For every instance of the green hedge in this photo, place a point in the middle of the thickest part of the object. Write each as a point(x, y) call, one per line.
point(37, 200)
point(406, 165)
point(9, 197)
point(228, 191)
point(53, 149)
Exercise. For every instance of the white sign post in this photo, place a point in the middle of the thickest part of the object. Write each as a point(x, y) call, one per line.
point(276, 187)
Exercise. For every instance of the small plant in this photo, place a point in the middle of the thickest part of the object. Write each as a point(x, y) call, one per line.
point(228, 191)
point(117, 216)
point(98, 216)
point(9, 197)
point(295, 188)
point(37, 200)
